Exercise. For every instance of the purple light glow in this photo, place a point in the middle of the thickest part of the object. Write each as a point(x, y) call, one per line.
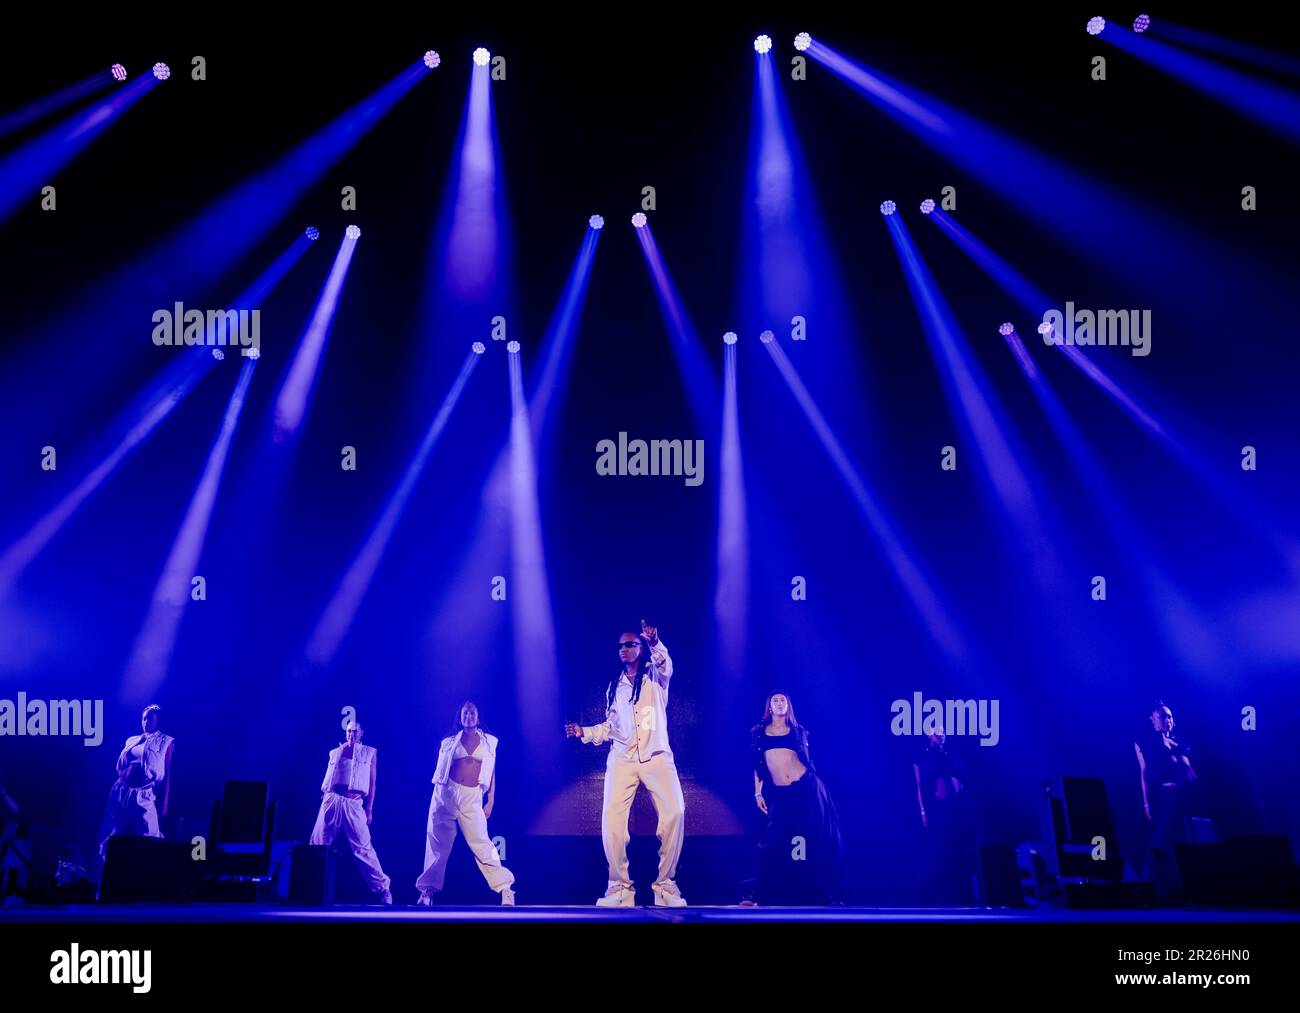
point(1141, 23)
point(639, 220)
point(762, 44)
point(482, 57)
point(478, 347)
point(161, 71)
point(119, 72)
point(596, 222)
point(512, 347)
point(291, 404)
point(888, 208)
point(802, 41)
point(1096, 26)
point(151, 656)
point(1006, 329)
point(731, 590)
point(353, 232)
point(729, 338)
point(339, 614)
point(432, 59)
point(473, 242)
point(927, 206)
point(313, 233)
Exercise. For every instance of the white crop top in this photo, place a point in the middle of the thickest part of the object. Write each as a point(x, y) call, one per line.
point(461, 752)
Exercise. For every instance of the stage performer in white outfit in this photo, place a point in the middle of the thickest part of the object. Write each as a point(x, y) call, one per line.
point(466, 771)
point(348, 804)
point(636, 727)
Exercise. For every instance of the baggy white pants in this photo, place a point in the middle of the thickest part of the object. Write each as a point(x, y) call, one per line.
point(659, 775)
point(338, 812)
point(455, 805)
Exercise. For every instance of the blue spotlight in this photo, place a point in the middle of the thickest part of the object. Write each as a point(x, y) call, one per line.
point(596, 222)
point(729, 337)
point(1007, 329)
point(218, 354)
point(767, 337)
point(639, 220)
point(762, 44)
point(513, 347)
point(1141, 23)
point(119, 72)
point(479, 347)
point(802, 41)
point(352, 232)
point(313, 233)
point(432, 59)
point(888, 208)
point(1096, 25)
point(482, 57)
point(927, 206)
point(161, 71)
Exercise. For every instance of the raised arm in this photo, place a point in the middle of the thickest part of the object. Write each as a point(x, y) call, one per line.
point(661, 665)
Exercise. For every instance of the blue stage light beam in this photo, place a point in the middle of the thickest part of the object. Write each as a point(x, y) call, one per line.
point(731, 590)
point(901, 558)
point(47, 105)
point(1187, 634)
point(337, 618)
point(1121, 235)
point(194, 257)
point(697, 374)
point(187, 367)
point(537, 670)
point(1234, 49)
point(24, 171)
point(469, 277)
point(462, 617)
point(1269, 105)
point(151, 656)
point(975, 404)
point(788, 268)
point(1034, 300)
point(295, 392)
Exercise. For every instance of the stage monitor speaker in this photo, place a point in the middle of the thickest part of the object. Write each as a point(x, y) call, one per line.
point(1076, 813)
point(311, 874)
point(1001, 881)
point(1251, 871)
point(148, 869)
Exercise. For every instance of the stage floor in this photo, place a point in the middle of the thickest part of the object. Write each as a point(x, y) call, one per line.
point(235, 913)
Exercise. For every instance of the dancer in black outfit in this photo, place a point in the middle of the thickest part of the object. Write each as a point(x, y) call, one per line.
point(800, 850)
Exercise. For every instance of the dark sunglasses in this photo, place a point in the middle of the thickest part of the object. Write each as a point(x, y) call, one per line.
point(628, 643)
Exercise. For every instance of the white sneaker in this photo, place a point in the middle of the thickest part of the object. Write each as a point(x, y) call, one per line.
point(624, 898)
point(507, 897)
point(664, 898)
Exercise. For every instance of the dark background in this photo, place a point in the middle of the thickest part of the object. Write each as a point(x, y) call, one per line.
point(592, 111)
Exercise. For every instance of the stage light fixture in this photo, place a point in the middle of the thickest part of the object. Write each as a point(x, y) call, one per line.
point(1095, 25)
point(888, 208)
point(1007, 329)
point(253, 353)
point(1141, 23)
point(729, 337)
point(1045, 328)
point(482, 57)
point(119, 72)
point(767, 337)
point(432, 59)
point(802, 41)
point(927, 206)
point(161, 71)
point(596, 222)
point(353, 232)
point(639, 220)
point(479, 347)
point(313, 233)
point(513, 347)
point(218, 354)
point(762, 44)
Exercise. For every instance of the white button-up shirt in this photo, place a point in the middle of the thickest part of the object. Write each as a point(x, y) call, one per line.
point(352, 773)
point(640, 734)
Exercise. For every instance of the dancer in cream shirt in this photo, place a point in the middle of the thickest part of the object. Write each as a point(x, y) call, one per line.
point(636, 727)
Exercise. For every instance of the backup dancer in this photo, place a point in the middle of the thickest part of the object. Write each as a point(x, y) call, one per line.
point(466, 771)
point(348, 804)
point(143, 770)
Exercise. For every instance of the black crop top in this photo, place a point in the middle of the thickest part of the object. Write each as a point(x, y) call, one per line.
point(796, 739)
